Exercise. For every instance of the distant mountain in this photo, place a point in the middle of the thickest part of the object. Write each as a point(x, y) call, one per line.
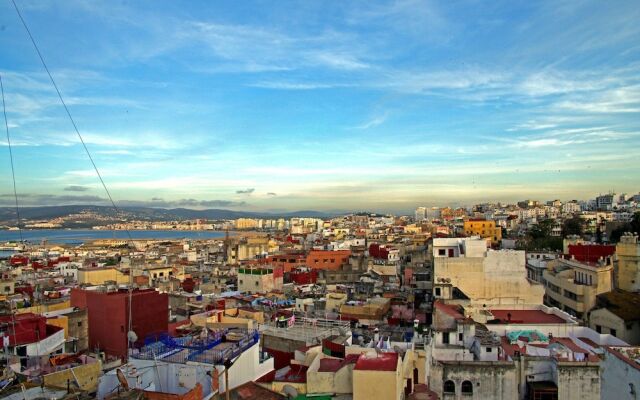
point(8, 216)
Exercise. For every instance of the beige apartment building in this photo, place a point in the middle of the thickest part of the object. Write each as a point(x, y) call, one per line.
point(627, 269)
point(573, 286)
point(486, 277)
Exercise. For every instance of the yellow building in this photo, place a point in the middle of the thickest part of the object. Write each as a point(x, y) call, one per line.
point(246, 223)
point(99, 276)
point(486, 229)
point(378, 376)
point(158, 273)
point(46, 307)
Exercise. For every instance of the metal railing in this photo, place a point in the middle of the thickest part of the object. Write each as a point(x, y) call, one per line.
point(193, 348)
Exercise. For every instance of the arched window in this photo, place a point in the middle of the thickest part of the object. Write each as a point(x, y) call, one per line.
point(467, 387)
point(449, 387)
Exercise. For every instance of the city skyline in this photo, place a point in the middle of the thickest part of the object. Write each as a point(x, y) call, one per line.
point(306, 106)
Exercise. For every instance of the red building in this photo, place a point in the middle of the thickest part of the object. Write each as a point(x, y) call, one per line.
point(590, 253)
point(18, 259)
point(378, 251)
point(327, 259)
point(302, 276)
point(25, 328)
point(108, 315)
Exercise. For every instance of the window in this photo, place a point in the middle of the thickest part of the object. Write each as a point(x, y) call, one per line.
point(79, 324)
point(442, 252)
point(445, 337)
point(598, 329)
point(241, 281)
point(7, 289)
point(438, 291)
point(613, 332)
point(460, 337)
point(161, 273)
point(449, 387)
point(467, 387)
point(256, 283)
point(489, 349)
point(450, 252)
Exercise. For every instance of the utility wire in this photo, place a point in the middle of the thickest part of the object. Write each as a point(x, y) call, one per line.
point(86, 149)
point(13, 172)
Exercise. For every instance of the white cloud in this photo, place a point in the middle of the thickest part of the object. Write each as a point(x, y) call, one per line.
point(375, 121)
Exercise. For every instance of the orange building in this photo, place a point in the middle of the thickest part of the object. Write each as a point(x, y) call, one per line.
point(327, 259)
point(486, 229)
point(287, 261)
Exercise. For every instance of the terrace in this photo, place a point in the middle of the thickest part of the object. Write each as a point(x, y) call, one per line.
point(210, 347)
point(308, 330)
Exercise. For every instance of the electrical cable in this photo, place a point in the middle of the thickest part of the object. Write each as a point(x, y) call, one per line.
point(86, 149)
point(13, 172)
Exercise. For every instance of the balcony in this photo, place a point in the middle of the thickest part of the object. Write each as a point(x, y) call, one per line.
point(565, 281)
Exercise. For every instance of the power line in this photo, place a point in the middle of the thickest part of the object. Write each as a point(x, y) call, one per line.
point(86, 149)
point(13, 172)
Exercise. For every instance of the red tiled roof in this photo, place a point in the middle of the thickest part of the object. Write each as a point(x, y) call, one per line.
point(377, 362)
point(589, 342)
point(251, 390)
point(330, 365)
point(527, 317)
point(334, 364)
point(623, 357)
point(451, 310)
point(509, 349)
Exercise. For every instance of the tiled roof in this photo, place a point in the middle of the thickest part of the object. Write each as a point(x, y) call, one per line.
point(377, 362)
point(334, 364)
point(451, 310)
point(625, 305)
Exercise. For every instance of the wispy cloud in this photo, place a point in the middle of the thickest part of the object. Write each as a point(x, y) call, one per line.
point(76, 188)
point(375, 121)
point(245, 191)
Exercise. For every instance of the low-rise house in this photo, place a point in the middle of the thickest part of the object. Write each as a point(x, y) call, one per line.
point(620, 372)
point(618, 314)
point(378, 376)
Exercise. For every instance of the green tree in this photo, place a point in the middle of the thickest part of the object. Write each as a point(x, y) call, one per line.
point(573, 226)
point(542, 229)
point(633, 226)
point(539, 237)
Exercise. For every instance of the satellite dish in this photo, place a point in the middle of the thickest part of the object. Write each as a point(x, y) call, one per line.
point(121, 378)
point(290, 391)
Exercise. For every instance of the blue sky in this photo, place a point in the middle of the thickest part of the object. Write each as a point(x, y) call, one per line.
point(323, 105)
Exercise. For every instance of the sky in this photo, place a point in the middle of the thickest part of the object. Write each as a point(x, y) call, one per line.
point(356, 105)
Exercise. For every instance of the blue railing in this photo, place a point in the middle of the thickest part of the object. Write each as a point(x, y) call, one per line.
point(193, 348)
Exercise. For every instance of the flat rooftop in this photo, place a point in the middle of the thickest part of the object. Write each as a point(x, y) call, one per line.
point(308, 330)
point(527, 317)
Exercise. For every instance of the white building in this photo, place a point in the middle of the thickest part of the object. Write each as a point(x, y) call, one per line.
point(620, 373)
point(485, 276)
